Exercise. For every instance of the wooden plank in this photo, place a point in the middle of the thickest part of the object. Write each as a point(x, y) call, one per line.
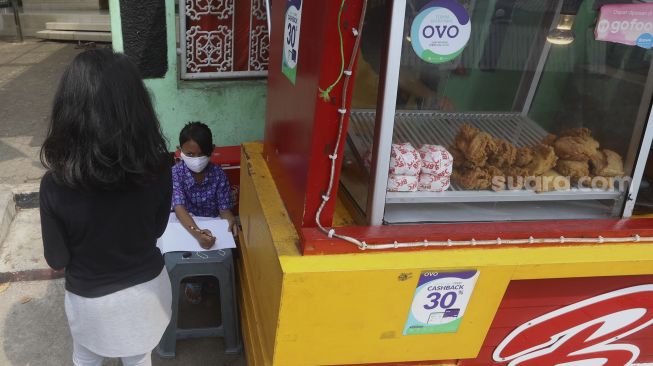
point(254, 348)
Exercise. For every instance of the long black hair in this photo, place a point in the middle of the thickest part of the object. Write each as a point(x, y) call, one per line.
point(200, 133)
point(104, 133)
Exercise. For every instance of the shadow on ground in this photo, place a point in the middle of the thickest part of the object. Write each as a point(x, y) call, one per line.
point(26, 98)
point(36, 332)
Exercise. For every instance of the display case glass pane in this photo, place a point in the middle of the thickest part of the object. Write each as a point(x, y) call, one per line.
point(644, 202)
point(355, 175)
point(537, 117)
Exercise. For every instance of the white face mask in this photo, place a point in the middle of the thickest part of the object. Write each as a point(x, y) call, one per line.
point(195, 164)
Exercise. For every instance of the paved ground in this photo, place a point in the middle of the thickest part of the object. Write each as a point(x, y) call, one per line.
point(34, 331)
point(21, 250)
point(29, 73)
point(33, 324)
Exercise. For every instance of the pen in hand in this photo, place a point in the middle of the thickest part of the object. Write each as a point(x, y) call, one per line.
point(206, 240)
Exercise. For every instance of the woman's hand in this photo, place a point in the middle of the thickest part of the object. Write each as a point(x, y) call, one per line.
point(231, 219)
point(205, 238)
point(233, 226)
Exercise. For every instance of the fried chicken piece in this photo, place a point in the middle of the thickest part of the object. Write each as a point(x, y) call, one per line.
point(607, 163)
point(573, 169)
point(549, 139)
point(498, 181)
point(577, 132)
point(479, 178)
point(504, 155)
point(459, 160)
point(467, 132)
point(524, 156)
point(552, 181)
point(544, 158)
point(515, 171)
point(576, 148)
point(472, 178)
point(457, 155)
point(474, 144)
point(516, 176)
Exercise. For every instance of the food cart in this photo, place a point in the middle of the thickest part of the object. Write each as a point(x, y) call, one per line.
point(451, 183)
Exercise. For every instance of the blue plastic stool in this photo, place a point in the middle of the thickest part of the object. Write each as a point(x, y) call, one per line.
point(215, 263)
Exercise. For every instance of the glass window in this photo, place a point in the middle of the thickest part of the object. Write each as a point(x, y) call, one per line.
point(540, 119)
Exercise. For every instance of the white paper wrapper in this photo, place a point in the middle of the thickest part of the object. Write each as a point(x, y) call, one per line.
point(433, 183)
point(405, 160)
point(402, 183)
point(436, 160)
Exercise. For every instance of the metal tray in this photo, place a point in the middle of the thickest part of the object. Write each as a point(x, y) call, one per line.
point(427, 127)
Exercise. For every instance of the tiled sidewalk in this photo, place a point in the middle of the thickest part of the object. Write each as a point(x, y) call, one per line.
point(29, 73)
point(34, 331)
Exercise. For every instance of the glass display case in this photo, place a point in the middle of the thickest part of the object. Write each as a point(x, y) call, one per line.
point(644, 202)
point(495, 110)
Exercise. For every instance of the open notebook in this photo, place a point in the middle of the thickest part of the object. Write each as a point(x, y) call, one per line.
point(177, 239)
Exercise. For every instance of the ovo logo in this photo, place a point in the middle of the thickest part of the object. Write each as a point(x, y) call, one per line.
point(440, 31)
point(587, 333)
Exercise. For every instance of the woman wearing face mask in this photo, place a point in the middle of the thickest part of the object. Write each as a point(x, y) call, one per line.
point(199, 188)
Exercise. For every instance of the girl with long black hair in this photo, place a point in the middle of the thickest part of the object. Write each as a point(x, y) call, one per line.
point(104, 201)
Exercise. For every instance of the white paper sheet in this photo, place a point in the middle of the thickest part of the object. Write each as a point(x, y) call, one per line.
point(177, 239)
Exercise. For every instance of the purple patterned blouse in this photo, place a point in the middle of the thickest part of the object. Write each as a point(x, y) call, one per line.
point(206, 198)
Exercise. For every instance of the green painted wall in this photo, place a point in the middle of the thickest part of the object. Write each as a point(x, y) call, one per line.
point(234, 109)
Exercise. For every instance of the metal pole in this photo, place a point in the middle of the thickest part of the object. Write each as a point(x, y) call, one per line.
point(530, 96)
point(19, 29)
point(638, 152)
point(385, 119)
point(268, 13)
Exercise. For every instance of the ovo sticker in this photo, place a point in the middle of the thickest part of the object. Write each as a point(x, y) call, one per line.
point(440, 302)
point(440, 31)
point(291, 39)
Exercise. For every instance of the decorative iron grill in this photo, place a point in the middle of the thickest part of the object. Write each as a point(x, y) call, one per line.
point(223, 39)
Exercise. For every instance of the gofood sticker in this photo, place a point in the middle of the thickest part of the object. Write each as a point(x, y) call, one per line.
point(440, 31)
point(630, 24)
point(291, 39)
point(440, 301)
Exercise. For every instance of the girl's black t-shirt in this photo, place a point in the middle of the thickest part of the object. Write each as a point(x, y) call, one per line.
point(105, 240)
